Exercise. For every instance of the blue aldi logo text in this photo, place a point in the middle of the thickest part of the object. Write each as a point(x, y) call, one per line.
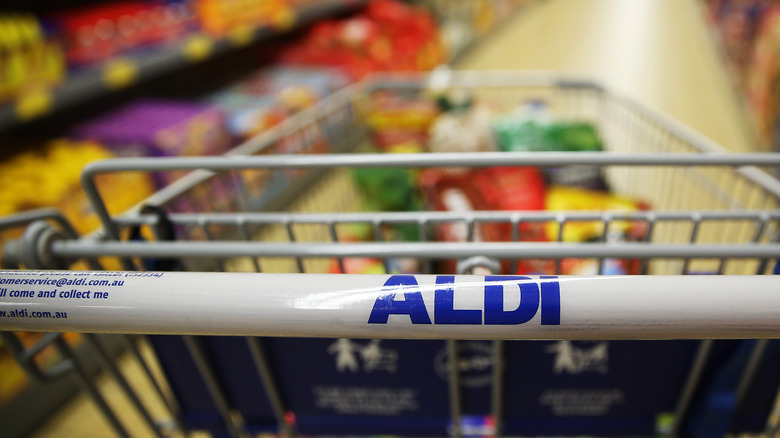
point(544, 293)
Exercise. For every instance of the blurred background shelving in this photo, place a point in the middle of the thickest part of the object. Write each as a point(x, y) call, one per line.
point(145, 60)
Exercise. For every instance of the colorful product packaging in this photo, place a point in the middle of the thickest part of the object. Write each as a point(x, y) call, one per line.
point(266, 98)
point(159, 128)
point(99, 32)
point(491, 189)
point(387, 36)
point(395, 119)
point(51, 178)
point(562, 198)
point(524, 131)
point(30, 58)
point(220, 17)
point(167, 128)
point(462, 130)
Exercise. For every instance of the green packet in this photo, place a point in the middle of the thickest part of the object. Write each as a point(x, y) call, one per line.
point(513, 135)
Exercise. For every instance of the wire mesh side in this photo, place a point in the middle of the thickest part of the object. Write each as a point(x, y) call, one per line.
point(689, 218)
point(51, 357)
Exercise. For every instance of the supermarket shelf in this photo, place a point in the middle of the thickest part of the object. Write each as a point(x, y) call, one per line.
point(130, 69)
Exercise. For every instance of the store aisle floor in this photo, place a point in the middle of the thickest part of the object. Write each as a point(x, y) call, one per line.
point(657, 51)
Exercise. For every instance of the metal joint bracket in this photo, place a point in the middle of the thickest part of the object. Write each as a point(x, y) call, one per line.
point(35, 248)
point(472, 264)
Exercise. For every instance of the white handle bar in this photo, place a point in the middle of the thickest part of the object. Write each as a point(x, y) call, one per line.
point(387, 306)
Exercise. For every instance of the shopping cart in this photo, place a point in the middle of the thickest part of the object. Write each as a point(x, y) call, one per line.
point(286, 202)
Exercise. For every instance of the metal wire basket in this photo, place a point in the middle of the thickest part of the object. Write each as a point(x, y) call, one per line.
point(286, 202)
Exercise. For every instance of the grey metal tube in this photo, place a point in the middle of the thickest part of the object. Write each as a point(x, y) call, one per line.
point(484, 159)
point(691, 384)
point(454, 389)
point(423, 250)
point(497, 395)
point(274, 395)
point(258, 218)
point(108, 363)
point(749, 373)
point(213, 386)
point(88, 385)
point(480, 159)
point(170, 403)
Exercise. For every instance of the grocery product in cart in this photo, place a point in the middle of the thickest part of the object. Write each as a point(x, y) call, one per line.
point(532, 128)
point(396, 120)
point(566, 198)
point(464, 126)
point(496, 188)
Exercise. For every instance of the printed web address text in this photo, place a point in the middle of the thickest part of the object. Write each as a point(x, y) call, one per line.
point(33, 314)
point(60, 282)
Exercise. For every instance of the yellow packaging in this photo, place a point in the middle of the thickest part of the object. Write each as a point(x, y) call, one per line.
point(51, 178)
point(565, 198)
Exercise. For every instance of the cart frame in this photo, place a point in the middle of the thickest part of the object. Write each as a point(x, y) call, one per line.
point(741, 204)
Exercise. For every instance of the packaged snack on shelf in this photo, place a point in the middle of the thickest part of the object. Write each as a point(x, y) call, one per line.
point(746, 32)
point(30, 58)
point(245, 115)
point(264, 99)
point(51, 178)
point(159, 128)
point(220, 17)
point(96, 33)
point(387, 36)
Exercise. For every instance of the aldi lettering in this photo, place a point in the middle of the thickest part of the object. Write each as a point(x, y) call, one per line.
point(543, 294)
